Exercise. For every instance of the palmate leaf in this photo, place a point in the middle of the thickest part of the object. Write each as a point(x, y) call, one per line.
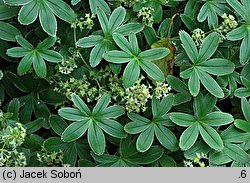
point(57, 124)
point(123, 43)
point(154, 54)
point(7, 12)
point(71, 114)
point(201, 123)
point(148, 129)
point(112, 56)
point(80, 104)
point(89, 41)
point(240, 9)
point(35, 56)
point(25, 63)
point(112, 128)
point(110, 27)
point(218, 119)
point(136, 59)
point(96, 54)
point(46, 10)
point(208, 47)
point(194, 83)
point(54, 144)
point(202, 67)
point(103, 20)
point(217, 66)
point(39, 65)
point(234, 135)
point(244, 49)
point(112, 112)
point(93, 122)
point(160, 108)
point(16, 2)
point(136, 127)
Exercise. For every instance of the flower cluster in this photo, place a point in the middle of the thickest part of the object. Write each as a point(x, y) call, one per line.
point(81, 87)
point(89, 92)
point(229, 23)
point(51, 159)
point(146, 14)
point(11, 137)
point(130, 3)
point(161, 90)
point(165, 1)
point(85, 22)
point(67, 66)
point(12, 158)
point(200, 160)
point(137, 96)
point(198, 36)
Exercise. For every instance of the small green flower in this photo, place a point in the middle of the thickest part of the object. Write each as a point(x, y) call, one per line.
point(67, 66)
point(137, 96)
point(129, 3)
point(85, 22)
point(146, 14)
point(161, 90)
point(229, 23)
point(198, 36)
point(54, 159)
point(199, 160)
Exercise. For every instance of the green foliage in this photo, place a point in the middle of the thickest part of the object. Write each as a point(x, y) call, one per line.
point(202, 66)
point(201, 123)
point(125, 83)
point(136, 59)
point(47, 10)
point(34, 56)
point(95, 122)
point(111, 25)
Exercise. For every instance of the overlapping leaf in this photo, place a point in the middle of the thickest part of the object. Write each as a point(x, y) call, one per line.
point(109, 25)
